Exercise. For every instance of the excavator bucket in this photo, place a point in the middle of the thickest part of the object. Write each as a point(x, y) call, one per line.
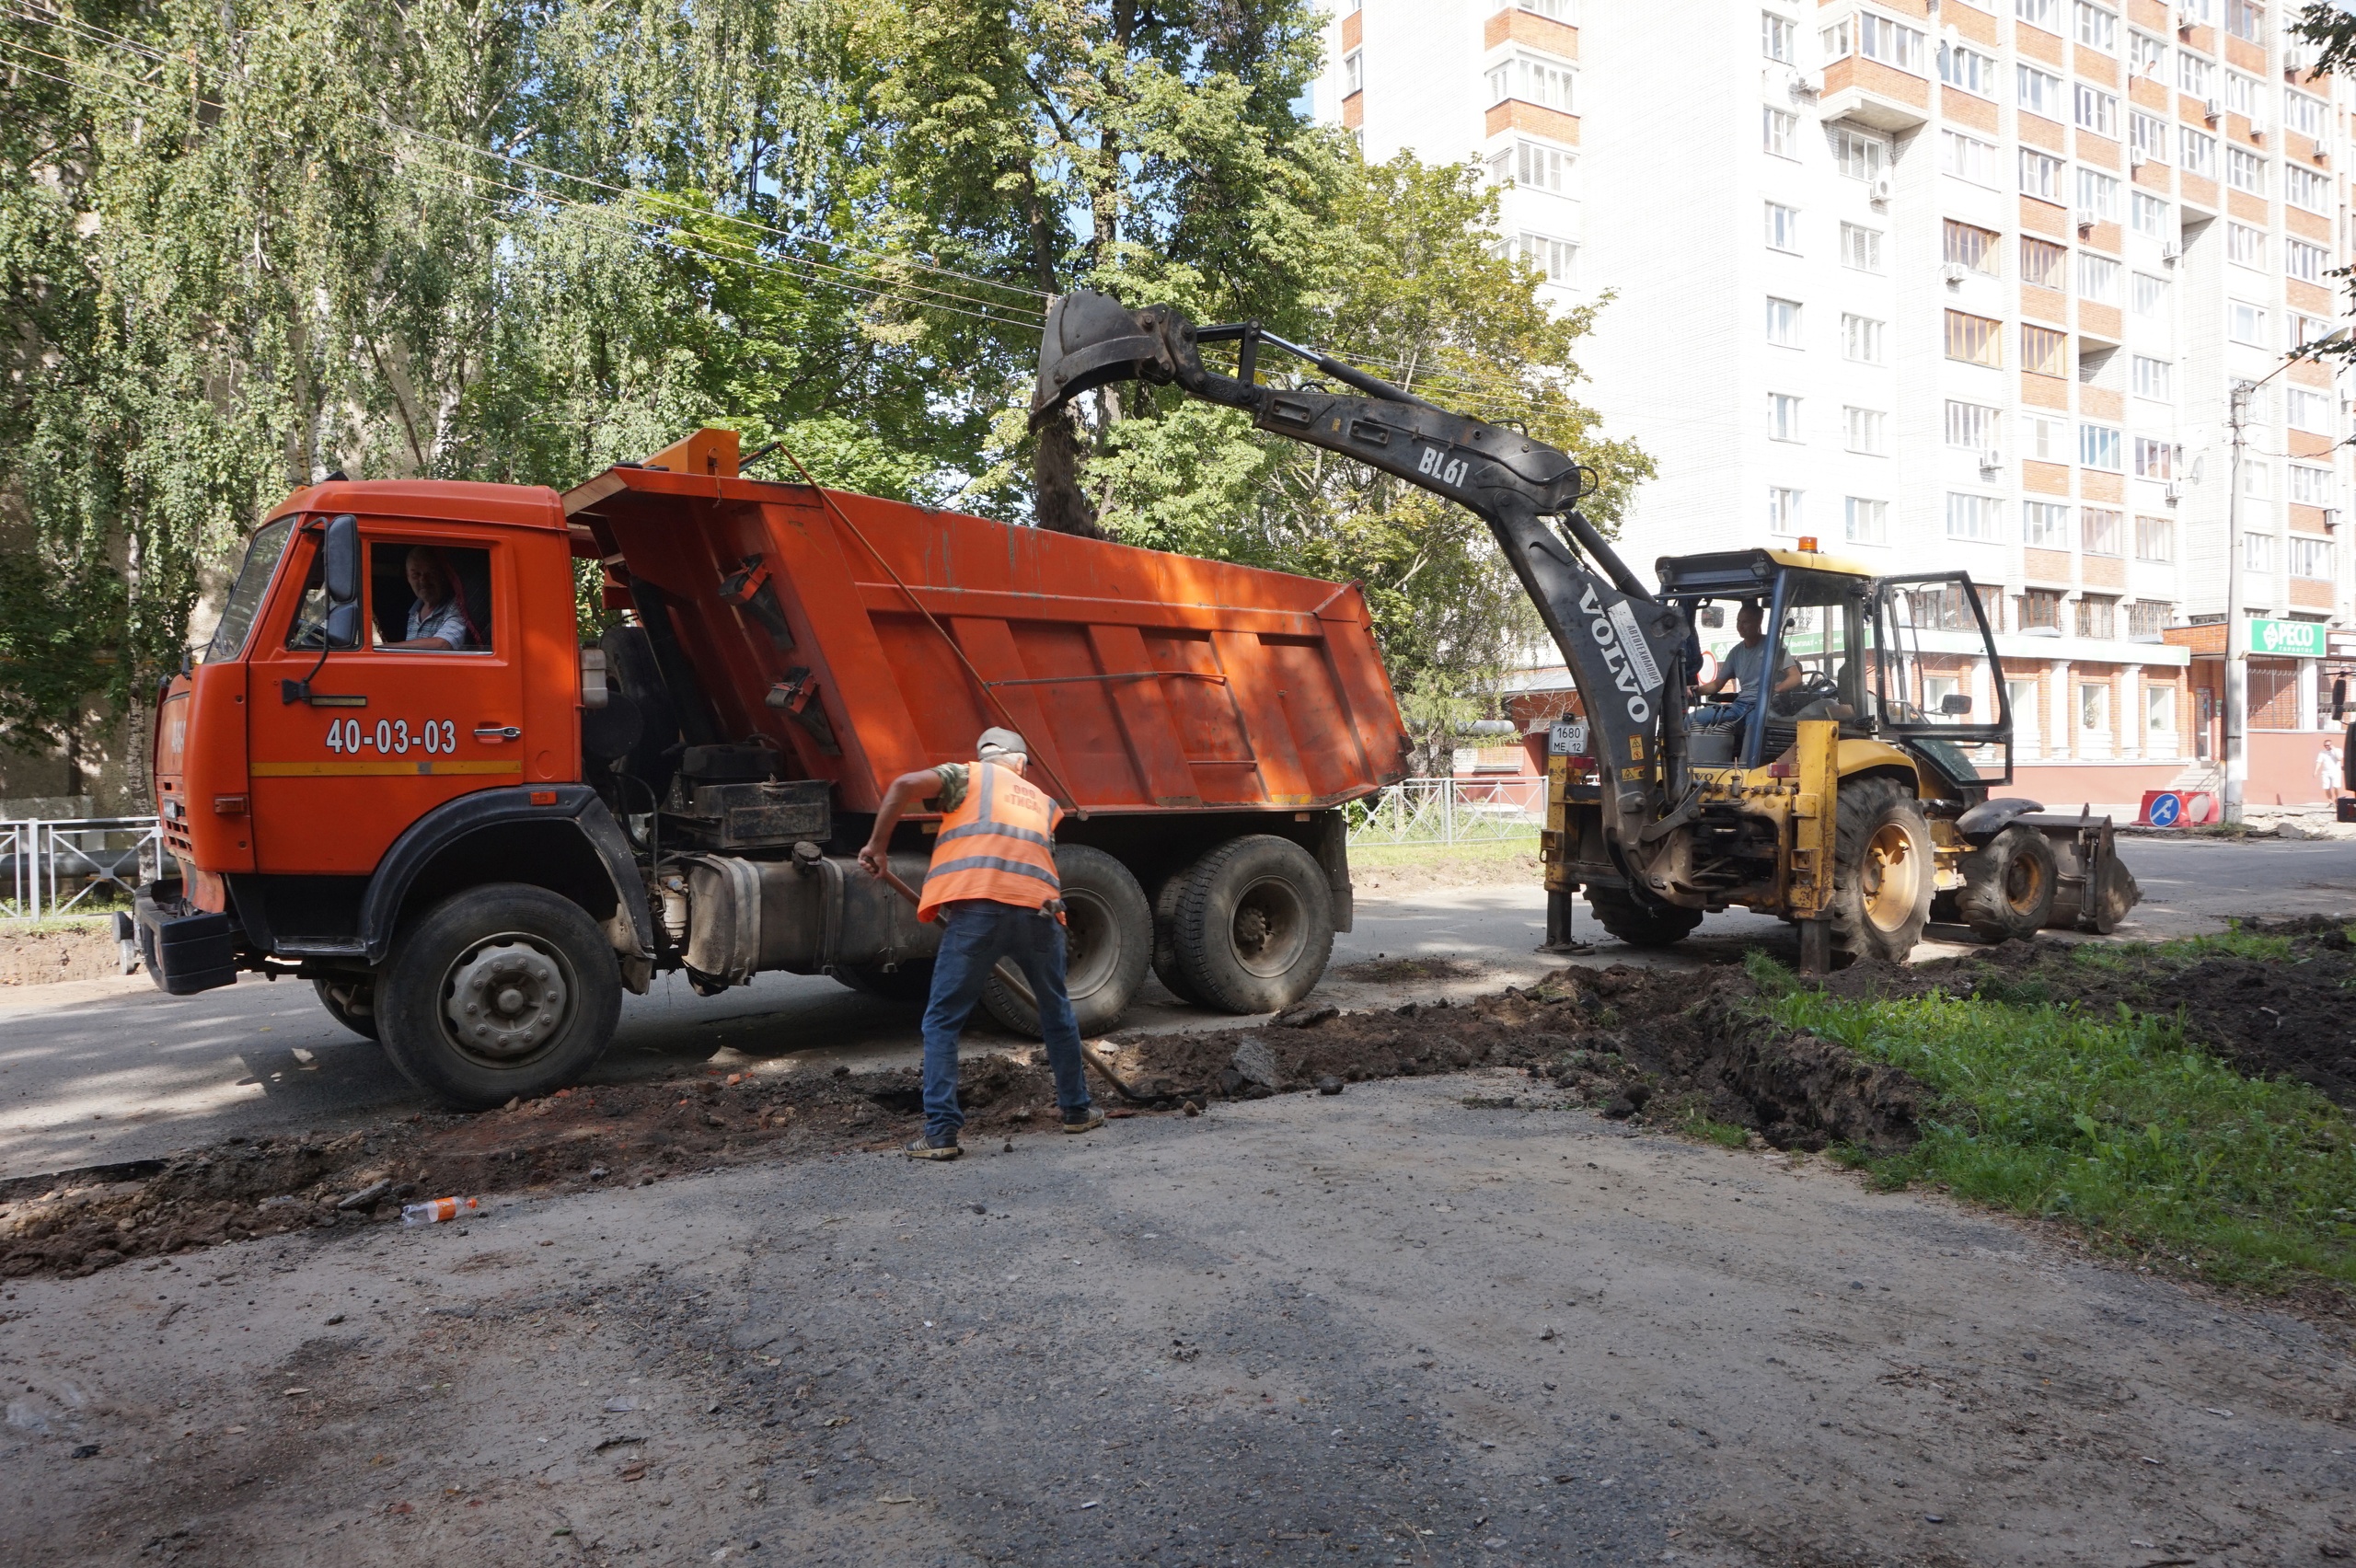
point(1090, 340)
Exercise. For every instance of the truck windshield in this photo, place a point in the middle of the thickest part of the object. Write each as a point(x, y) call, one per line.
point(253, 581)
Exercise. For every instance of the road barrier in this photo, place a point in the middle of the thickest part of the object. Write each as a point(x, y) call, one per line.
point(41, 861)
point(1448, 811)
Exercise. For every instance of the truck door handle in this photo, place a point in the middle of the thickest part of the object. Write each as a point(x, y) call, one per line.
point(498, 732)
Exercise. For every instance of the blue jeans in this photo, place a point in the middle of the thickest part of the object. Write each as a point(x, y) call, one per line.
point(1736, 713)
point(974, 936)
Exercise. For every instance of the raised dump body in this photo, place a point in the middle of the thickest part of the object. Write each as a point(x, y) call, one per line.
point(399, 774)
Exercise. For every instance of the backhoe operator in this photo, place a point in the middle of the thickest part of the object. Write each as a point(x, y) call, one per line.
point(1742, 666)
point(993, 887)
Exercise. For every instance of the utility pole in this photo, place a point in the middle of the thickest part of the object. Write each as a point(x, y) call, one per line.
point(2236, 645)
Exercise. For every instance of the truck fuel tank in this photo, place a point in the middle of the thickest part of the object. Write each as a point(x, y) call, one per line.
point(809, 915)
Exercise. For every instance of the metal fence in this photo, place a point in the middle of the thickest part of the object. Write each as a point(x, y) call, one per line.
point(1449, 810)
point(50, 867)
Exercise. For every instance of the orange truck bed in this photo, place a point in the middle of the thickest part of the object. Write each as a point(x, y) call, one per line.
point(1145, 682)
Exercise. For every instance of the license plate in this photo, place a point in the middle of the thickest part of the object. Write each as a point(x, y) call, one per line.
point(1567, 738)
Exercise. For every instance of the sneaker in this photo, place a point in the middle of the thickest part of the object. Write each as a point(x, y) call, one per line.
point(1085, 1120)
point(932, 1146)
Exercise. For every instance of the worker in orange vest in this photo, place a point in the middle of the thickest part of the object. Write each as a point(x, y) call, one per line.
point(993, 888)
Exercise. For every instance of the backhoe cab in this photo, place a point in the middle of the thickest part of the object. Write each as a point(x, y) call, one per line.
point(1851, 799)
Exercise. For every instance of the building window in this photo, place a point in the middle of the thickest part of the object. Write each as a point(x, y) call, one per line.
point(2153, 379)
point(2308, 411)
point(1863, 430)
point(2151, 215)
point(1858, 155)
point(1556, 260)
point(2304, 262)
point(1533, 165)
point(2094, 698)
point(2098, 531)
point(2045, 352)
point(2146, 56)
point(1353, 72)
point(2098, 195)
point(2097, 28)
point(1783, 509)
point(1968, 157)
point(2256, 479)
point(1968, 70)
point(2257, 553)
point(1861, 247)
point(1776, 129)
point(2045, 14)
point(1532, 80)
point(1975, 339)
point(2306, 115)
point(2245, 170)
point(2045, 525)
point(2244, 246)
point(2046, 437)
point(2098, 278)
point(1559, 10)
point(2099, 448)
point(1978, 517)
point(1971, 426)
point(2149, 617)
point(1783, 229)
point(2309, 485)
point(1867, 522)
point(1776, 35)
point(2196, 152)
point(1877, 38)
point(1784, 322)
point(2038, 92)
point(2096, 617)
point(2245, 20)
point(2156, 459)
point(1972, 246)
point(1861, 338)
point(1782, 417)
point(2195, 77)
point(2147, 136)
point(2305, 187)
point(2156, 539)
point(2149, 296)
point(2311, 559)
point(2038, 609)
point(2246, 323)
point(2040, 176)
point(2042, 263)
point(2095, 110)
point(2306, 329)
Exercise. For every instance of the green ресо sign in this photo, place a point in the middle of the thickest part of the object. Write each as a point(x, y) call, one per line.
point(2287, 638)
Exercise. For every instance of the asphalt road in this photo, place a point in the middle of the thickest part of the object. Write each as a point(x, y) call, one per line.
point(111, 1070)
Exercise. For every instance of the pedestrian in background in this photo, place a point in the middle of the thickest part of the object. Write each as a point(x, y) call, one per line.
point(2330, 771)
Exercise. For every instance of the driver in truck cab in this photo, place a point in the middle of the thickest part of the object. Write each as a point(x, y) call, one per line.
point(992, 885)
point(1743, 666)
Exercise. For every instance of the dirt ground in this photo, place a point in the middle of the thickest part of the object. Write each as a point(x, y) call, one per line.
point(55, 955)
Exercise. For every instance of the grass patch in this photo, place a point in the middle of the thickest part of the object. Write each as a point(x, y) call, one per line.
point(1399, 856)
point(75, 925)
point(2113, 1121)
point(2184, 951)
point(1726, 1135)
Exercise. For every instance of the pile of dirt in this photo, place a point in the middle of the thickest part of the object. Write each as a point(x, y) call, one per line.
point(2269, 1018)
point(1660, 1046)
point(83, 950)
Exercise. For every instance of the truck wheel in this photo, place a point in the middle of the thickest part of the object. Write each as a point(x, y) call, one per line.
point(2008, 885)
point(1255, 925)
point(360, 991)
point(1641, 924)
point(1166, 967)
point(498, 991)
point(909, 983)
point(1108, 941)
point(1882, 872)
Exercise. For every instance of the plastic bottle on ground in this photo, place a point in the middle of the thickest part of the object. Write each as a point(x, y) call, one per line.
point(434, 1211)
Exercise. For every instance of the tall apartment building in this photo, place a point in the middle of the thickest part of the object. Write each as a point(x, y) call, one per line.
point(1947, 283)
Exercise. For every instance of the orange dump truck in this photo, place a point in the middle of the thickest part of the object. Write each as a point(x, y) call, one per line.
point(400, 774)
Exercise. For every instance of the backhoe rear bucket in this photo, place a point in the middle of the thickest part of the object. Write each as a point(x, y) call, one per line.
point(1090, 340)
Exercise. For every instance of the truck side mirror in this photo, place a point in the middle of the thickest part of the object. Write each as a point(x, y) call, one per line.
point(340, 552)
point(1955, 704)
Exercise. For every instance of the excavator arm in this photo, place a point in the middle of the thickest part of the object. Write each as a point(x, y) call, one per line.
point(1624, 648)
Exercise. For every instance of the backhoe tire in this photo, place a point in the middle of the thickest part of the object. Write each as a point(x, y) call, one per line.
point(2008, 885)
point(1108, 943)
point(361, 1020)
point(1166, 967)
point(1883, 871)
point(912, 982)
point(501, 990)
point(1255, 925)
point(1641, 922)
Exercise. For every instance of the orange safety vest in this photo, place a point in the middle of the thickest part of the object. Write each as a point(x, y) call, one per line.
point(998, 845)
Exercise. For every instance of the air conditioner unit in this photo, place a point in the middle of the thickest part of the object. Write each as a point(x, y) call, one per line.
point(2172, 492)
point(2170, 249)
point(1991, 460)
point(2256, 127)
point(1881, 189)
point(1807, 84)
point(2331, 520)
point(2295, 59)
point(2084, 219)
point(1954, 272)
point(2136, 160)
point(2212, 112)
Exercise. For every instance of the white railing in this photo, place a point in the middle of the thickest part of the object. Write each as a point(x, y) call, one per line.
point(1449, 810)
point(47, 867)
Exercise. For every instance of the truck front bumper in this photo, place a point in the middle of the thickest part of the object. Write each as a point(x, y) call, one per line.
point(185, 953)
